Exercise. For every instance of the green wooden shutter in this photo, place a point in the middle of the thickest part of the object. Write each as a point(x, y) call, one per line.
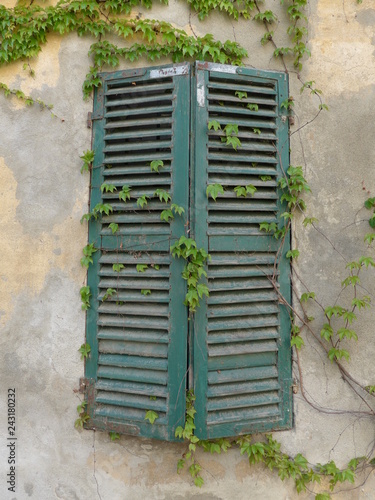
point(242, 362)
point(139, 342)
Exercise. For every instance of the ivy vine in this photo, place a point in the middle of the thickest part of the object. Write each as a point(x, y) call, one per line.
point(120, 36)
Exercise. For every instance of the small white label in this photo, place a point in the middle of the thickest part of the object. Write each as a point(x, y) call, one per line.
point(171, 71)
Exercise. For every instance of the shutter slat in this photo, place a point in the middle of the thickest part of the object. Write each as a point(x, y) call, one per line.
point(137, 122)
point(243, 388)
point(161, 155)
point(223, 311)
point(123, 100)
point(137, 297)
point(247, 142)
point(239, 271)
point(130, 270)
point(113, 172)
point(126, 258)
point(243, 401)
point(136, 243)
point(242, 374)
point(135, 89)
point(242, 348)
point(125, 361)
point(141, 283)
point(233, 86)
point(242, 335)
point(131, 134)
point(270, 410)
point(117, 413)
point(128, 334)
point(213, 94)
point(243, 111)
point(131, 146)
point(239, 297)
point(234, 324)
point(149, 110)
point(133, 348)
point(222, 168)
point(224, 218)
point(108, 307)
point(130, 401)
point(132, 375)
point(155, 323)
point(253, 158)
point(243, 360)
point(132, 387)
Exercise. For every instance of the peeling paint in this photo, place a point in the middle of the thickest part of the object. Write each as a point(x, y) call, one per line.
point(46, 67)
point(27, 260)
point(342, 48)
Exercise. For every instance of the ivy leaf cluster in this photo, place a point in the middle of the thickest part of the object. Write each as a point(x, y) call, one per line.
point(187, 433)
point(186, 248)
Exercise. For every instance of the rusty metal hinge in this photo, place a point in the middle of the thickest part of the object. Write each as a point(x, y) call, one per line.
point(83, 383)
point(91, 118)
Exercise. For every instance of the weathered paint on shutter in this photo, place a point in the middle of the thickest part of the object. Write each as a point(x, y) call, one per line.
point(242, 361)
point(139, 342)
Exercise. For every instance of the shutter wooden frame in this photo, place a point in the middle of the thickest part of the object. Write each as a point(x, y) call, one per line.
point(159, 373)
point(114, 404)
point(241, 386)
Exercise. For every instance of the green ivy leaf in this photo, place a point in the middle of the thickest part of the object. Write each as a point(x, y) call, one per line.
point(213, 191)
point(309, 220)
point(214, 124)
point(85, 350)
point(113, 227)
point(117, 267)
point(292, 254)
point(338, 354)
point(151, 416)
point(370, 203)
point(326, 332)
point(306, 296)
point(114, 435)
point(142, 200)
point(108, 188)
point(163, 195)
point(87, 157)
point(156, 164)
point(108, 293)
point(166, 215)
point(253, 107)
point(240, 95)
point(177, 209)
point(297, 341)
point(124, 194)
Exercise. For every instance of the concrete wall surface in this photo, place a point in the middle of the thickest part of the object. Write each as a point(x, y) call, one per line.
point(43, 197)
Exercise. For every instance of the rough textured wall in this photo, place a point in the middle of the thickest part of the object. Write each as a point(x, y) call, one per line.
point(43, 196)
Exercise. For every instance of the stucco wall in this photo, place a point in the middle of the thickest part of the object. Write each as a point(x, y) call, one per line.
point(43, 196)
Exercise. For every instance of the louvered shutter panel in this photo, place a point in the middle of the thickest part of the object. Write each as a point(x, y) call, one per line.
point(242, 364)
point(139, 342)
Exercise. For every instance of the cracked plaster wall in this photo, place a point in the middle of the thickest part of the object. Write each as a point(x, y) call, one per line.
point(43, 196)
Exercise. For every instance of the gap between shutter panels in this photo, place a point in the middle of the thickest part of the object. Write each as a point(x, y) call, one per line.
point(134, 330)
point(242, 310)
